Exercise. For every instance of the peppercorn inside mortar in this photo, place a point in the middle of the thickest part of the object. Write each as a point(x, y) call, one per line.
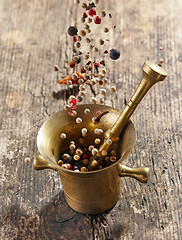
point(81, 158)
point(80, 136)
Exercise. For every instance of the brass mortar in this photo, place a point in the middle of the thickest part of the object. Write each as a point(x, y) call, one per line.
point(96, 191)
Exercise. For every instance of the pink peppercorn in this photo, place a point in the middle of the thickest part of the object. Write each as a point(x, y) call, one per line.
point(67, 166)
point(97, 20)
point(85, 156)
point(92, 12)
point(96, 65)
point(73, 101)
point(83, 70)
point(74, 39)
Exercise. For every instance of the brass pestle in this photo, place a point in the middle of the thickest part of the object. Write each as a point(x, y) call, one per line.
point(152, 73)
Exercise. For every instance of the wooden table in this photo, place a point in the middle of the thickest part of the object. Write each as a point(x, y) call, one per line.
point(33, 37)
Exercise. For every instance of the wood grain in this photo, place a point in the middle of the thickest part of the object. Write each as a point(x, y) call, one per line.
point(32, 39)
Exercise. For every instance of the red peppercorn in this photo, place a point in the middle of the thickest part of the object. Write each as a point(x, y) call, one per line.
point(73, 101)
point(85, 156)
point(92, 12)
point(101, 82)
point(96, 65)
point(97, 20)
point(67, 166)
point(74, 39)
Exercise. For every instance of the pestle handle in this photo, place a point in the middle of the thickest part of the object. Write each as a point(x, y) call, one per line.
point(152, 73)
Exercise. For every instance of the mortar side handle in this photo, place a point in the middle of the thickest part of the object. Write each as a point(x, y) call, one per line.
point(140, 174)
point(39, 163)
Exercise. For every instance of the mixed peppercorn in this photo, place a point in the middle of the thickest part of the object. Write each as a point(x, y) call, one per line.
point(83, 158)
point(92, 72)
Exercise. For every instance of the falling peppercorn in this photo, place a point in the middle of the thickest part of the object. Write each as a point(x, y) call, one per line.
point(90, 6)
point(114, 54)
point(92, 12)
point(97, 20)
point(72, 31)
point(74, 39)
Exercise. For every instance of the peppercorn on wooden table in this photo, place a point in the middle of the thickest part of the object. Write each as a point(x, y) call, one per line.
point(33, 38)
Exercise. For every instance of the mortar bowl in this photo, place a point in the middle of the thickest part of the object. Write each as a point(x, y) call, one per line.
point(89, 192)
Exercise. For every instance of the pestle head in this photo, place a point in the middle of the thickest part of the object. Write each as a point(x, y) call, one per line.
point(154, 71)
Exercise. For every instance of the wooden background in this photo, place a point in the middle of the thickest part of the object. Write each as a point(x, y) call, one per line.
point(32, 39)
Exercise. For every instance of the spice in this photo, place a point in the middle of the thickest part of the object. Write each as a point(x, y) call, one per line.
point(85, 161)
point(84, 169)
point(77, 58)
point(67, 166)
point(90, 148)
point(96, 65)
point(85, 15)
point(89, 20)
point(72, 64)
point(84, 5)
point(90, 6)
point(67, 107)
point(72, 146)
point(60, 163)
point(102, 62)
point(79, 152)
point(113, 89)
point(93, 100)
point(74, 76)
point(97, 141)
point(76, 157)
point(78, 44)
point(113, 159)
point(101, 100)
point(109, 141)
point(104, 153)
point(83, 33)
point(56, 68)
point(98, 131)
point(72, 30)
point(103, 91)
point(63, 135)
point(88, 40)
point(82, 19)
point(101, 42)
point(81, 140)
point(97, 20)
point(74, 39)
point(94, 151)
point(113, 152)
point(114, 54)
point(78, 120)
point(106, 29)
point(92, 12)
point(86, 111)
point(80, 98)
point(27, 160)
point(103, 14)
point(84, 132)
